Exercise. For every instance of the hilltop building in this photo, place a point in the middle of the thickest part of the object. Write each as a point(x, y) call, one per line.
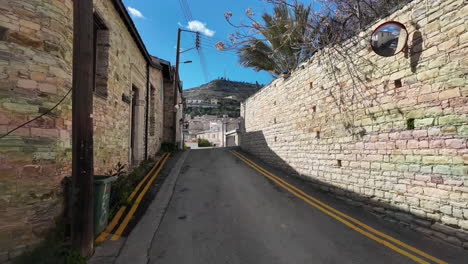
point(211, 103)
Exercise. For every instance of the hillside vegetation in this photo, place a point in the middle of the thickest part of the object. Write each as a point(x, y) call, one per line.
point(228, 93)
point(220, 88)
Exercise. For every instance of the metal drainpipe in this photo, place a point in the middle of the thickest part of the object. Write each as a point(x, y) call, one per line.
point(147, 108)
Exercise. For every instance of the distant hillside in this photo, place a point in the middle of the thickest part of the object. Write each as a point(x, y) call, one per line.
point(220, 88)
point(228, 93)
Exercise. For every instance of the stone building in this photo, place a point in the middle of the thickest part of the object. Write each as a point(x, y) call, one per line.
point(211, 128)
point(36, 38)
point(172, 129)
point(389, 132)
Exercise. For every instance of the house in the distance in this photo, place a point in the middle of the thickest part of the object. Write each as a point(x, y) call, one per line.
point(211, 128)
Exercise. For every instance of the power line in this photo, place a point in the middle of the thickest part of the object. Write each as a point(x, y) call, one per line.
point(188, 17)
point(187, 7)
point(211, 44)
point(208, 44)
point(37, 117)
point(203, 64)
point(211, 41)
point(197, 42)
point(221, 52)
point(208, 37)
point(184, 11)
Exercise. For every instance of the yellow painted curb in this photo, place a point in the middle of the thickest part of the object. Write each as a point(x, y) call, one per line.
point(122, 209)
point(334, 213)
point(135, 205)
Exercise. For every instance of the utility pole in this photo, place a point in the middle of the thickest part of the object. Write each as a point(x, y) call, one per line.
point(176, 74)
point(176, 83)
point(82, 233)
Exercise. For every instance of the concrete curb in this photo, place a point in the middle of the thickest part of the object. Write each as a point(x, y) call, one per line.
point(106, 252)
point(136, 247)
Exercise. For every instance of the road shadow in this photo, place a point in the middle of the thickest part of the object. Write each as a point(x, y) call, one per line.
point(259, 149)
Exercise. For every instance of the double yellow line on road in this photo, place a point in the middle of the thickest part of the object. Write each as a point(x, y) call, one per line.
point(349, 221)
point(135, 205)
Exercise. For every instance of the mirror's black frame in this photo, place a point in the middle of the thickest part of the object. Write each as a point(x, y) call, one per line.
point(384, 24)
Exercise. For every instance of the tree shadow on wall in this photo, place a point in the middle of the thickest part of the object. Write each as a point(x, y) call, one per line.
point(266, 157)
point(416, 48)
point(357, 83)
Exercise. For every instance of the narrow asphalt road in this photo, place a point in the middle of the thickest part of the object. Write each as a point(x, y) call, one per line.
point(223, 211)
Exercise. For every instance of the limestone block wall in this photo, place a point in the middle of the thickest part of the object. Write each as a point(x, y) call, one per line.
point(36, 38)
point(35, 73)
point(390, 132)
point(170, 114)
point(168, 111)
point(112, 116)
point(156, 119)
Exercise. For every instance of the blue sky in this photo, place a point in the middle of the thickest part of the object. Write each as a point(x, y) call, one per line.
point(157, 22)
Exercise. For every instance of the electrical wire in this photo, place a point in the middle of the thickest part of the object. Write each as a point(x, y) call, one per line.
point(208, 38)
point(187, 7)
point(208, 41)
point(184, 11)
point(37, 117)
point(223, 53)
point(203, 64)
point(188, 17)
point(206, 46)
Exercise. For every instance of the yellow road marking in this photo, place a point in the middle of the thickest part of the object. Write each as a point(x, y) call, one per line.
point(135, 205)
point(111, 225)
point(144, 179)
point(396, 241)
point(315, 203)
point(122, 209)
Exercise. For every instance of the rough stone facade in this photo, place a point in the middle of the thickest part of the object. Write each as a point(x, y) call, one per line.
point(35, 73)
point(170, 113)
point(156, 112)
point(36, 38)
point(389, 132)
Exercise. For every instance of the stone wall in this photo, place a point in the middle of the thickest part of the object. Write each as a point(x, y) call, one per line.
point(390, 132)
point(35, 73)
point(157, 108)
point(36, 40)
point(168, 134)
point(112, 116)
point(170, 114)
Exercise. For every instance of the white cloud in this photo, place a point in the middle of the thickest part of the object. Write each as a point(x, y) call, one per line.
point(196, 25)
point(135, 12)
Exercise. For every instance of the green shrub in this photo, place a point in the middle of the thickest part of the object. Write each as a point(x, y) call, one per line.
point(125, 184)
point(204, 143)
point(168, 147)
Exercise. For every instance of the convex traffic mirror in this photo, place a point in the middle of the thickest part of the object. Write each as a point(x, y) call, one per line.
point(389, 38)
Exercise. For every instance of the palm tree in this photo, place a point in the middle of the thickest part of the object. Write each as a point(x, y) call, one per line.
point(279, 46)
